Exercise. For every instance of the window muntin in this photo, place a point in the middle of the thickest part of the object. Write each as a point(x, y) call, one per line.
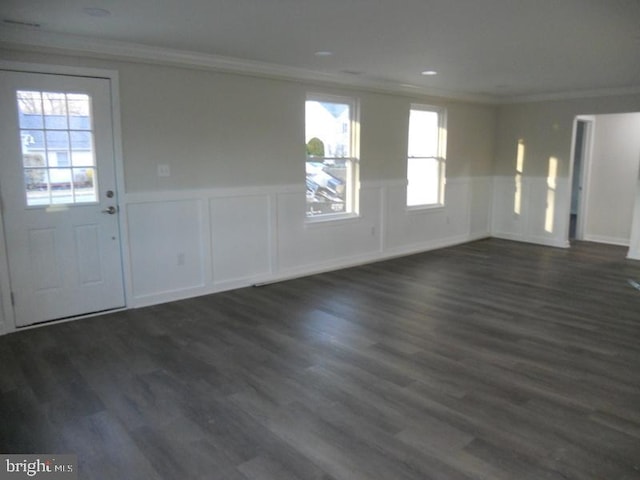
point(426, 156)
point(331, 156)
point(58, 157)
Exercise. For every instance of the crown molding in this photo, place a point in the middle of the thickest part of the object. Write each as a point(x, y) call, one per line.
point(570, 95)
point(39, 41)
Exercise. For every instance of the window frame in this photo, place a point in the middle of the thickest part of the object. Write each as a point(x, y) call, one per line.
point(440, 156)
point(352, 195)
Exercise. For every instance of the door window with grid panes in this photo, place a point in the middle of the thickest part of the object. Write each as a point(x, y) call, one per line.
point(56, 136)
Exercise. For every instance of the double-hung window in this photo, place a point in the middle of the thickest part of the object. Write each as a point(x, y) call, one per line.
point(426, 157)
point(331, 137)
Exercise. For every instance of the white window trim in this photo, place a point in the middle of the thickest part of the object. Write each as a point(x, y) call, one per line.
point(332, 218)
point(441, 157)
point(353, 200)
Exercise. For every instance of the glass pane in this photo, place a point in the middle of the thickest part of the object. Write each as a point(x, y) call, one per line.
point(55, 110)
point(57, 140)
point(60, 182)
point(36, 179)
point(36, 186)
point(424, 183)
point(29, 109)
point(423, 133)
point(79, 112)
point(62, 159)
point(328, 129)
point(33, 160)
point(326, 186)
point(82, 149)
point(83, 185)
point(32, 141)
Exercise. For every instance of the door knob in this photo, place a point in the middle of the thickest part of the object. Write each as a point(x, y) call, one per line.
point(110, 210)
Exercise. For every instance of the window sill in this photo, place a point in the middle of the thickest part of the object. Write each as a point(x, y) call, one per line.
point(425, 208)
point(331, 219)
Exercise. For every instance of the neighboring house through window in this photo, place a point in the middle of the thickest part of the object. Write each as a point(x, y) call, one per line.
point(426, 157)
point(332, 158)
point(58, 157)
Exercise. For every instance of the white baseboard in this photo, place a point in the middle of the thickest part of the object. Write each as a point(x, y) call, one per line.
point(622, 242)
point(305, 270)
point(167, 296)
point(547, 242)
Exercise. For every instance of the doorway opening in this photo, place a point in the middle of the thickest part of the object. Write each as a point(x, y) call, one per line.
point(603, 174)
point(581, 151)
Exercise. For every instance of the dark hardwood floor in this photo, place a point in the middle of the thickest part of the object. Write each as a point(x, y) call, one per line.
point(492, 360)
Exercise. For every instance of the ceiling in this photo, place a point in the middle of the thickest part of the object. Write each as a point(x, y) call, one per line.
point(484, 48)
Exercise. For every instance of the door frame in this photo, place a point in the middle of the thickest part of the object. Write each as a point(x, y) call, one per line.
point(589, 121)
point(7, 317)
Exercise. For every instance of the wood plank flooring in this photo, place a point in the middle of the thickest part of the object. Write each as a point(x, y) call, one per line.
point(491, 360)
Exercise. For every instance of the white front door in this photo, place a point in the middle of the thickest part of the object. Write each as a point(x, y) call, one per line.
point(59, 197)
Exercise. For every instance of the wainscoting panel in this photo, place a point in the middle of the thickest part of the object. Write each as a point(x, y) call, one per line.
point(188, 243)
point(534, 210)
point(480, 201)
point(305, 246)
point(509, 203)
point(166, 247)
point(241, 239)
point(408, 231)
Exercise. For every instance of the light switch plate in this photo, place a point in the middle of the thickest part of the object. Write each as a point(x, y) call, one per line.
point(164, 171)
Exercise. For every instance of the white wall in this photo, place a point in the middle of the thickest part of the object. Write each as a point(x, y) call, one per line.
point(232, 212)
point(5, 288)
point(613, 178)
point(634, 243)
point(545, 128)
